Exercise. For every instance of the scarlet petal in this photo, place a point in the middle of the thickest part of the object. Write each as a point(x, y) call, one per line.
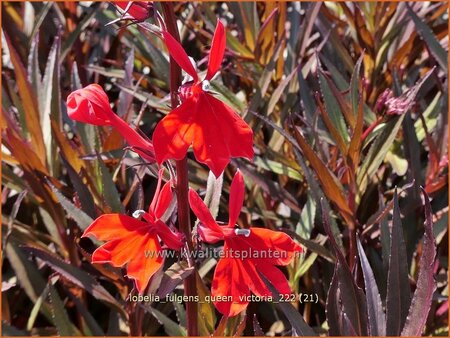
point(220, 134)
point(276, 277)
point(116, 226)
point(173, 240)
point(118, 252)
point(209, 230)
point(142, 268)
point(164, 199)
point(252, 278)
point(139, 10)
point(217, 50)
point(179, 55)
point(229, 281)
point(174, 133)
point(237, 192)
point(267, 246)
point(152, 207)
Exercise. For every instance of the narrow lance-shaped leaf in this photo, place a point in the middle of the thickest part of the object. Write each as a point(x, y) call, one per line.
point(398, 297)
point(29, 102)
point(291, 313)
point(78, 215)
point(50, 103)
point(430, 39)
point(332, 309)
point(332, 106)
point(60, 317)
point(355, 143)
point(276, 95)
point(330, 184)
point(78, 277)
point(110, 193)
point(421, 302)
point(341, 144)
point(91, 322)
point(257, 327)
point(355, 85)
point(206, 312)
point(346, 297)
point(376, 316)
point(171, 328)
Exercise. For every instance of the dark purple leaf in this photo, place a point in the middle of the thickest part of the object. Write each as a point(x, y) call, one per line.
point(398, 298)
point(77, 276)
point(349, 298)
point(348, 329)
point(291, 313)
point(173, 277)
point(85, 197)
point(375, 314)
point(257, 328)
point(421, 302)
point(332, 310)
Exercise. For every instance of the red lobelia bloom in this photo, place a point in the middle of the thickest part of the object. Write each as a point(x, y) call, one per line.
point(216, 132)
point(235, 275)
point(135, 242)
point(91, 105)
point(137, 11)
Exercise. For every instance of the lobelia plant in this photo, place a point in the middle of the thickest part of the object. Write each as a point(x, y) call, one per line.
point(285, 142)
point(217, 134)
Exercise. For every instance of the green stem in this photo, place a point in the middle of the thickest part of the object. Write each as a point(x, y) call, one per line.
point(184, 220)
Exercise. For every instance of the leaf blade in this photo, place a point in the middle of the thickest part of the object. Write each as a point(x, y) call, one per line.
point(421, 302)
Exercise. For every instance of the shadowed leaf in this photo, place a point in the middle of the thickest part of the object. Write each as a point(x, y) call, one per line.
point(398, 297)
point(376, 316)
point(330, 184)
point(434, 46)
point(60, 318)
point(78, 277)
point(29, 102)
point(291, 313)
point(347, 300)
point(421, 301)
point(78, 215)
point(172, 328)
point(173, 276)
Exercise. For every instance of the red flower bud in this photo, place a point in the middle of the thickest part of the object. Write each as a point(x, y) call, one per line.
point(136, 10)
point(90, 105)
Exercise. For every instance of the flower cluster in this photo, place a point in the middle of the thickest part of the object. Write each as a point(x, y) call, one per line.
point(216, 134)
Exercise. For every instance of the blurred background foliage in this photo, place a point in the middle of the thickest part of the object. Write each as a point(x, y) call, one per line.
point(311, 79)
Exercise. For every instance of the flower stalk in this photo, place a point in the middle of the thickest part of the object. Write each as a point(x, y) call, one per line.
point(182, 185)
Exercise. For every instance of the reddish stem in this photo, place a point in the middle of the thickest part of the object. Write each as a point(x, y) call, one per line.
point(371, 128)
point(184, 220)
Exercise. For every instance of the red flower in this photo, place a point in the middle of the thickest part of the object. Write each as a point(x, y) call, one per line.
point(136, 242)
point(235, 275)
point(135, 10)
point(216, 132)
point(91, 105)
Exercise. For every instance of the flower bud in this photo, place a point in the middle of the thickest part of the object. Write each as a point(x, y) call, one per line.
point(90, 105)
point(136, 10)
